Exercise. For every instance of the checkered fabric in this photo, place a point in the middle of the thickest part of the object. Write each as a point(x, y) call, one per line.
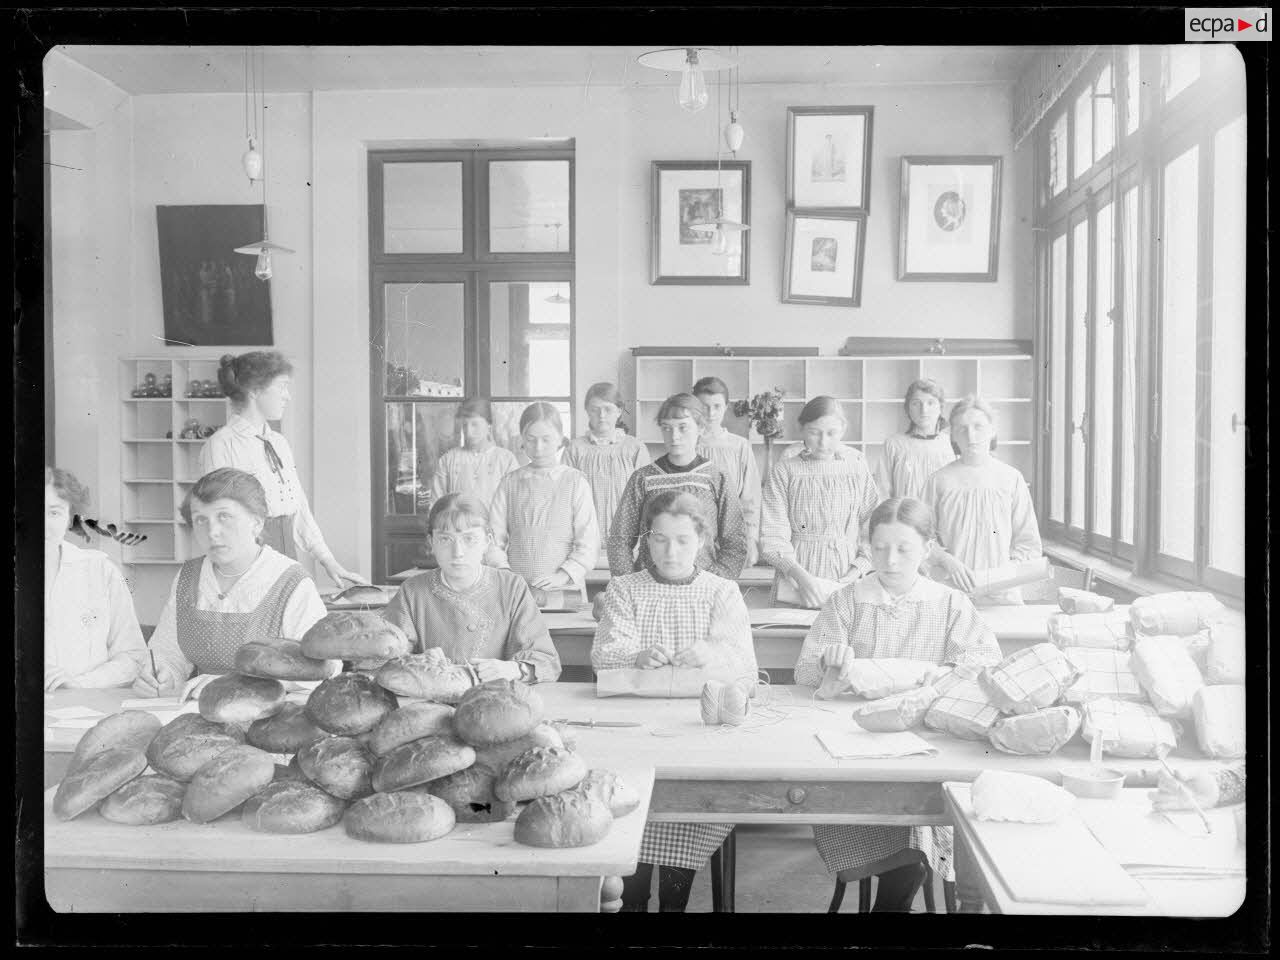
point(1219, 715)
point(1224, 657)
point(1129, 729)
point(1104, 675)
point(608, 466)
point(902, 711)
point(1177, 612)
point(1167, 673)
point(907, 462)
point(846, 848)
point(1105, 631)
point(1035, 734)
point(963, 708)
point(460, 470)
point(685, 845)
point(1029, 679)
point(543, 520)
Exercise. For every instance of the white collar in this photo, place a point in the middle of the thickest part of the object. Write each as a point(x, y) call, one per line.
point(869, 589)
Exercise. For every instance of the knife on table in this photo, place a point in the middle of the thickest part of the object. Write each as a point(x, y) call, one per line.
point(601, 723)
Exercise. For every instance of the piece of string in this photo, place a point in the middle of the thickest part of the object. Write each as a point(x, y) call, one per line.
point(773, 705)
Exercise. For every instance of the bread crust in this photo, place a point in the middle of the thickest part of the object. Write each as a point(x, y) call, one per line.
point(349, 704)
point(496, 712)
point(540, 772)
point(227, 781)
point(410, 816)
point(354, 635)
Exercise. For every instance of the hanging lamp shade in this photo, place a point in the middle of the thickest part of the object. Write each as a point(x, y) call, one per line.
point(692, 62)
point(254, 164)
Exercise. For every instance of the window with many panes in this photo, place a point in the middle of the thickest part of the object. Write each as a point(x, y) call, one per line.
point(1140, 253)
point(471, 294)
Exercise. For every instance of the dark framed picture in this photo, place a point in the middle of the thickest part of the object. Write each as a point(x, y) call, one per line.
point(949, 223)
point(829, 158)
point(698, 213)
point(823, 259)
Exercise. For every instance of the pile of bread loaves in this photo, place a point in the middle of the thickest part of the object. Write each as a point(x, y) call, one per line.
point(391, 772)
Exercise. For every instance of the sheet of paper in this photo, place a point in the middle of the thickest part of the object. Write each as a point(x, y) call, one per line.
point(1141, 839)
point(151, 704)
point(79, 723)
point(782, 617)
point(865, 745)
point(74, 713)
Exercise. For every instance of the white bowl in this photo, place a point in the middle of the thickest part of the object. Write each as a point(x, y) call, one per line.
point(1091, 783)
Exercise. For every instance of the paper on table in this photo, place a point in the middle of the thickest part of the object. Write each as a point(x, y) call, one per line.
point(782, 617)
point(151, 704)
point(866, 745)
point(1138, 837)
point(78, 723)
point(74, 713)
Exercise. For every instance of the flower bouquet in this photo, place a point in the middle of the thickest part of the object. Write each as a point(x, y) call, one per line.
point(764, 411)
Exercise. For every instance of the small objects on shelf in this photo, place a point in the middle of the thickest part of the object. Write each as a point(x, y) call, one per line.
point(190, 430)
point(166, 385)
point(204, 389)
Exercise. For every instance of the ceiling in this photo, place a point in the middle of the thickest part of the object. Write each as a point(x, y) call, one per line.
point(141, 70)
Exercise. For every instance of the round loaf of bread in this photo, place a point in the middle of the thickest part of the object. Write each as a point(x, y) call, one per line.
point(95, 779)
point(187, 742)
point(338, 765)
point(283, 660)
point(497, 756)
point(470, 793)
point(421, 761)
point(349, 704)
point(287, 732)
point(126, 730)
point(410, 816)
point(364, 593)
point(429, 676)
point(354, 635)
point(145, 801)
point(227, 781)
point(619, 796)
point(574, 818)
point(413, 721)
point(291, 806)
point(235, 698)
point(289, 771)
point(496, 712)
point(540, 772)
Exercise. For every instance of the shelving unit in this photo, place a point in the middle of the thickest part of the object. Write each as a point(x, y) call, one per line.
point(870, 389)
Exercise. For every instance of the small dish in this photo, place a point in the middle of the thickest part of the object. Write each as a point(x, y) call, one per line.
point(1092, 783)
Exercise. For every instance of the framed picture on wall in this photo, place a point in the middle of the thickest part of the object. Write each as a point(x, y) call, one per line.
point(696, 218)
point(949, 218)
point(829, 158)
point(823, 259)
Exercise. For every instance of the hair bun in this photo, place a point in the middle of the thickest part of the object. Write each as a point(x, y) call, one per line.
point(228, 360)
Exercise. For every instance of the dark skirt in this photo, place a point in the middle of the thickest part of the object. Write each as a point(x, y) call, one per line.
point(277, 533)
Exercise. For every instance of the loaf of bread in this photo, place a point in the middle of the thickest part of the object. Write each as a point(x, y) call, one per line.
point(428, 675)
point(411, 722)
point(289, 771)
point(496, 712)
point(540, 772)
point(291, 806)
point(354, 635)
point(420, 761)
point(287, 732)
point(187, 742)
point(1167, 673)
point(574, 818)
point(902, 711)
point(145, 801)
point(618, 795)
point(498, 755)
point(363, 593)
point(470, 793)
point(349, 704)
point(227, 781)
point(127, 730)
point(283, 660)
point(1176, 613)
point(338, 765)
point(96, 778)
point(410, 816)
point(236, 698)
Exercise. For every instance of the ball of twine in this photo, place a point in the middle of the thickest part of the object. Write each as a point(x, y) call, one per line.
point(725, 703)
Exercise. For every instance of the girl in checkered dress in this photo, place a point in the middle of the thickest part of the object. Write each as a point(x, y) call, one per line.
point(674, 614)
point(606, 455)
point(478, 466)
point(894, 613)
point(543, 521)
point(732, 453)
point(816, 506)
point(909, 459)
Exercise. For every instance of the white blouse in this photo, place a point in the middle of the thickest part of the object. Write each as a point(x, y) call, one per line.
point(91, 631)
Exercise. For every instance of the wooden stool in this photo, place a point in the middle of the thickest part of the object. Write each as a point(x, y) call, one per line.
point(723, 867)
point(864, 876)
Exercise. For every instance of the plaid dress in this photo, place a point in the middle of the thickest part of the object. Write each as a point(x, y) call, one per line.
point(929, 622)
point(543, 521)
point(908, 461)
point(732, 453)
point(815, 513)
point(642, 610)
point(607, 465)
point(459, 470)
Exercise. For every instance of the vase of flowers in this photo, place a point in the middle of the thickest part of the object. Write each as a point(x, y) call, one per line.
point(764, 412)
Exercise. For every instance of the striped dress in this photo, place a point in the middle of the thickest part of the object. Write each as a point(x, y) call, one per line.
point(543, 521)
point(478, 474)
point(815, 513)
point(929, 622)
point(607, 465)
point(908, 461)
point(644, 610)
point(732, 453)
point(725, 557)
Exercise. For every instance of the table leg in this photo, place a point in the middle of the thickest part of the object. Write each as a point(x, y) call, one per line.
point(968, 893)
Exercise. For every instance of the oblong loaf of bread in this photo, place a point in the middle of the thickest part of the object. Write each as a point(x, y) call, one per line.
point(349, 704)
point(126, 730)
point(187, 742)
point(410, 816)
point(427, 675)
point(496, 712)
point(364, 593)
point(235, 698)
point(147, 800)
point(95, 779)
point(421, 761)
point(574, 818)
point(354, 635)
point(291, 806)
point(540, 772)
point(470, 793)
point(283, 660)
point(498, 755)
point(618, 795)
point(338, 765)
point(413, 721)
point(227, 781)
point(287, 732)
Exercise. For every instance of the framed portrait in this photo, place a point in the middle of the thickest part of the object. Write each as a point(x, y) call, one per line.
point(829, 158)
point(823, 259)
point(949, 223)
point(687, 197)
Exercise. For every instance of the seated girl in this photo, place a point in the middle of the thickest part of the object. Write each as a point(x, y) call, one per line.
point(473, 613)
point(239, 591)
point(91, 634)
point(894, 613)
point(674, 614)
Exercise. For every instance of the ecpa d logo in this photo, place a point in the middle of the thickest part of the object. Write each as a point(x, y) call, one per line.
point(1229, 24)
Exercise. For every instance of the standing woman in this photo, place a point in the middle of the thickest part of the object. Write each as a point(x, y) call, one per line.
point(258, 385)
point(909, 459)
point(816, 507)
point(606, 455)
point(91, 634)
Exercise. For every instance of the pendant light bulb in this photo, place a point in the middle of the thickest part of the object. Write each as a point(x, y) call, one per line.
point(252, 161)
point(262, 269)
point(693, 85)
point(734, 134)
point(720, 242)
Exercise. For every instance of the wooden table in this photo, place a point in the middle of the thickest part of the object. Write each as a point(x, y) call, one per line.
point(978, 865)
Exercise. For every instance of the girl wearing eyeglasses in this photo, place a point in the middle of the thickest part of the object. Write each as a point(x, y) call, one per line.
point(475, 614)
